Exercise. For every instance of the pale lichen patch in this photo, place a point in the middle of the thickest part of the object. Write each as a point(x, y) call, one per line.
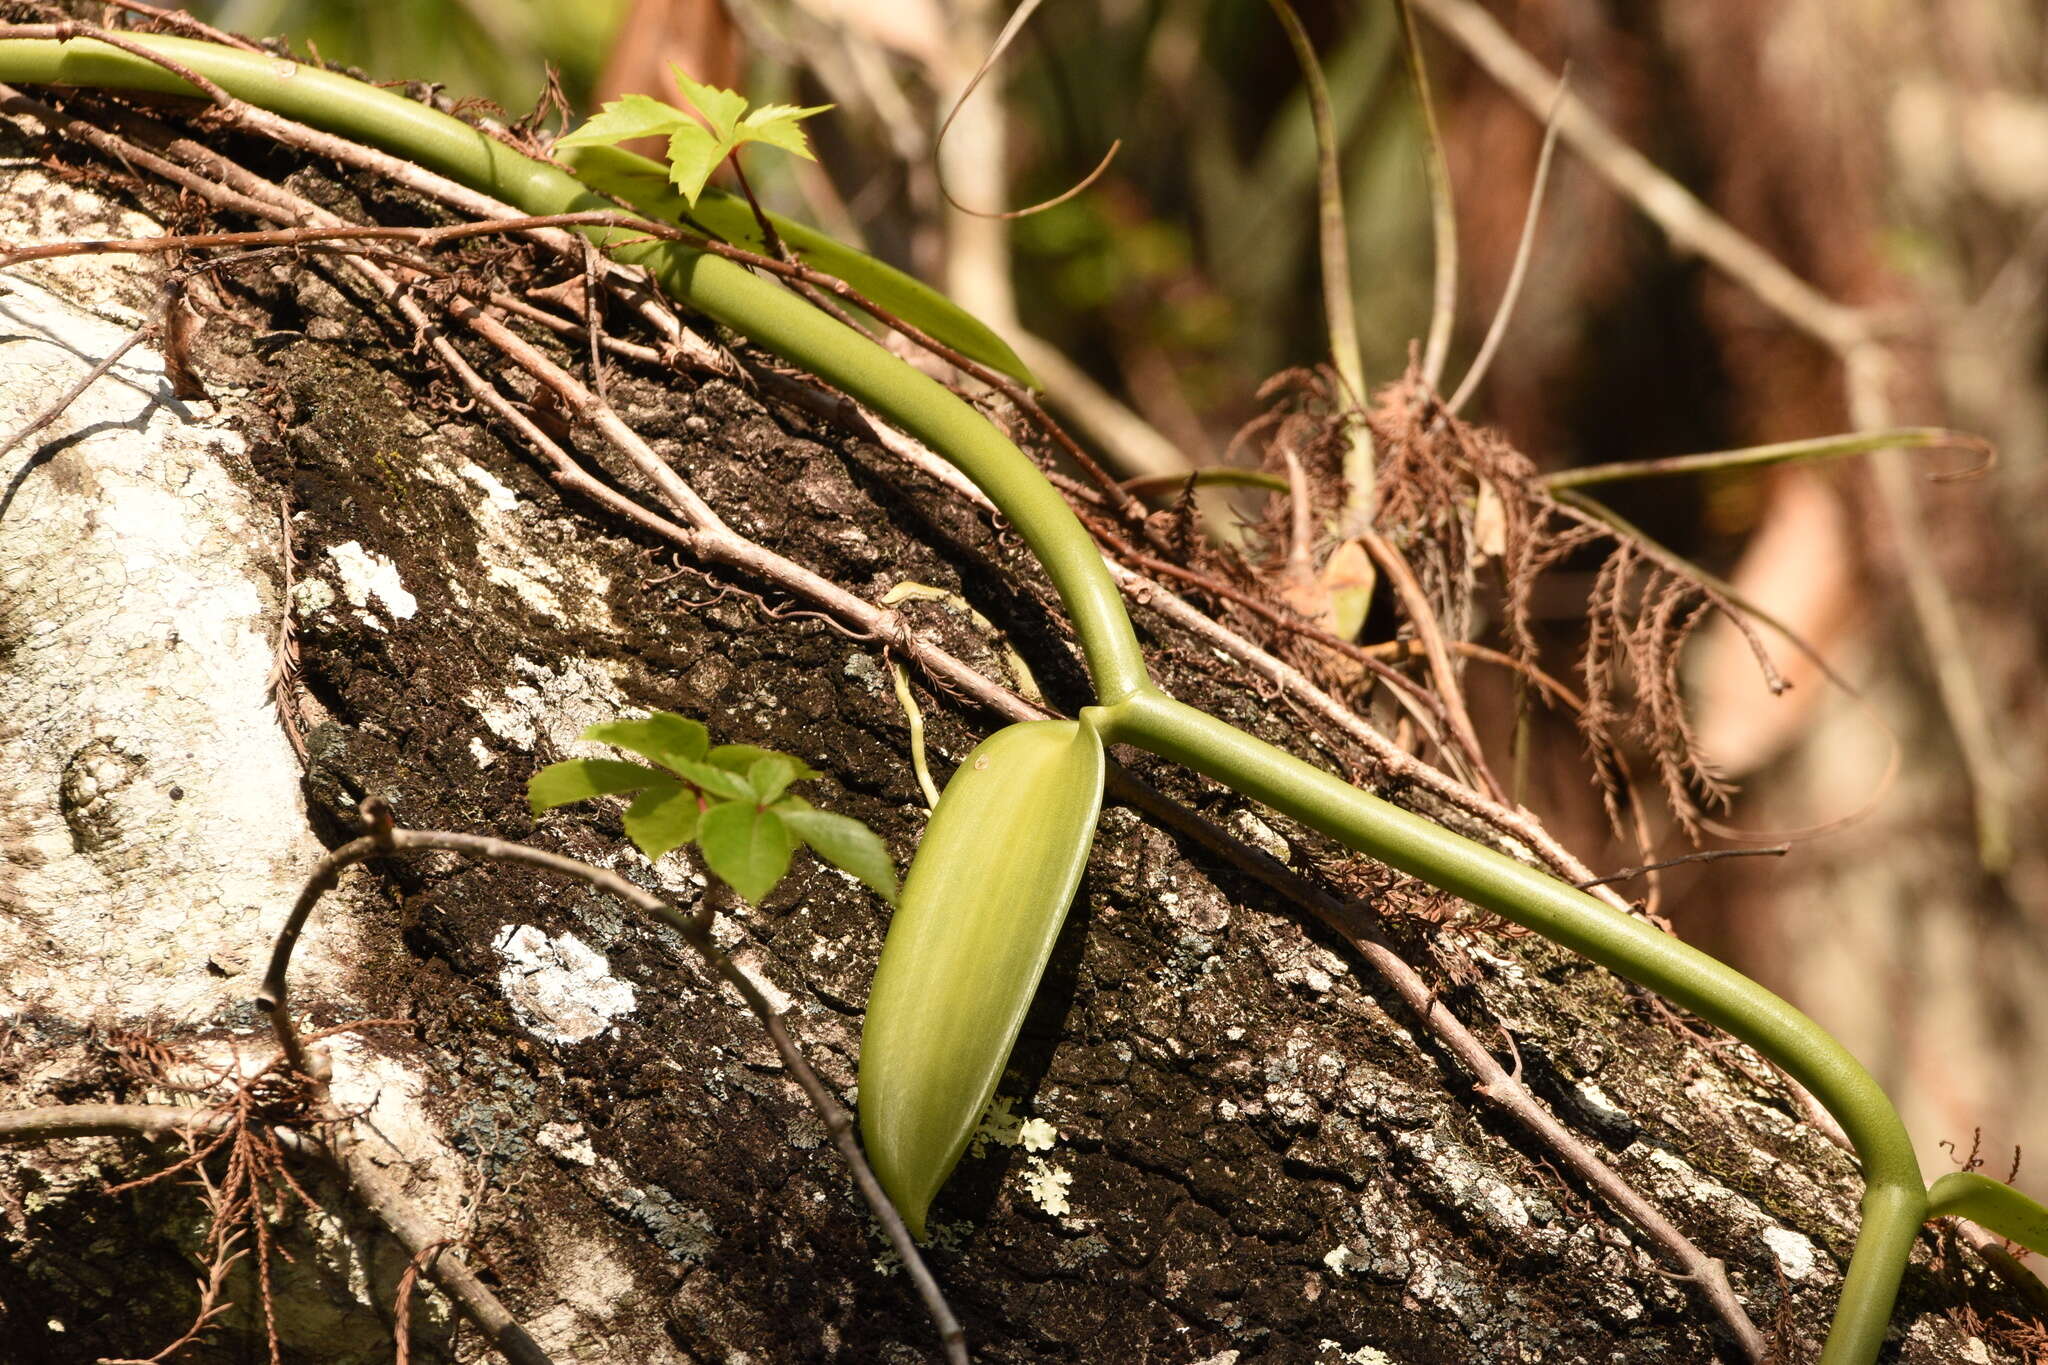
point(567, 1141)
point(557, 704)
point(137, 752)
point(311, 597)
point(1794, 1252)
point(1364, 1355)
point(1036, 1135)
point(1047, 1185)
point(497, 496)
point(366, 576)
point(560, 987)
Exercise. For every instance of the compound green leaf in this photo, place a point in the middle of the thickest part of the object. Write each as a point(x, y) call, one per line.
point(630, 116)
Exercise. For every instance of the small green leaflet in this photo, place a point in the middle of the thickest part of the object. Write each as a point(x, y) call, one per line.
point(746, 846)
point(697, 142)
point(732, 801)
point(582, 778)
point(664, 737)
point(741, 758)
point(662, 818)
point(845, 843)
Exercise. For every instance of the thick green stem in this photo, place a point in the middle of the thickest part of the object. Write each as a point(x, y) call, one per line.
point(1895, 1200)
point(1133, 711)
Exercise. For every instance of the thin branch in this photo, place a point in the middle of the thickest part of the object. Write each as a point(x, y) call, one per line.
point(120, 1120)
point(1415, 602)
point(54, 409)
point(67, 31)
point(1690, 224)
point(185, 23)
point(1495, 1084)
point(1443, 213)
point(1781, 452)
point(378, 1192)
point(1339, 311)
point(1950, 654)
point(695, 930)
point(1018, 18)
point(1550, 686)
point(2009, 1267)
point(1223, 476)
point(335, 232)
point(1847, 332)
point(1706, 855)
point(427, 1243)
point(1525, 247)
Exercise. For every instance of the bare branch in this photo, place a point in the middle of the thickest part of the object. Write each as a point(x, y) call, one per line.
point(695, 930)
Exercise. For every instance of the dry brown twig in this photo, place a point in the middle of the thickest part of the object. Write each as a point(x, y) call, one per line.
point(1394, 565)
point(376, 1190)
point(1852, 335)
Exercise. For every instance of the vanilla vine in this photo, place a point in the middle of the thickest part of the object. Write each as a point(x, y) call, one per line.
point(1131, 708)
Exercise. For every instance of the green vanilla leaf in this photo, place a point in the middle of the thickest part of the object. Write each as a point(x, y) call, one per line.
point(644, 185)
point(2001, 1208)
point(845, 843)
point(746, 847)
point(579, 779)
point(663, 818)
point(665, 737)
point(981, 909)
point(770, 776)
point(628, 117)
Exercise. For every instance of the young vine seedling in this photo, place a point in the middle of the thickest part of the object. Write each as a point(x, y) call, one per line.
point(697, 142)
point(731, 800)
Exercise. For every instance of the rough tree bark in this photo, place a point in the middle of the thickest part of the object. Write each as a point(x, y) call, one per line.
point(1265, 1157)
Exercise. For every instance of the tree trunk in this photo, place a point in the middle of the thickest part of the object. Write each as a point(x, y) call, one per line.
point(1262, 1153)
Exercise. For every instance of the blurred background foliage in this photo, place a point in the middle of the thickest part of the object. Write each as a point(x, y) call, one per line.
point(1894, 153)
point(496, 49)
